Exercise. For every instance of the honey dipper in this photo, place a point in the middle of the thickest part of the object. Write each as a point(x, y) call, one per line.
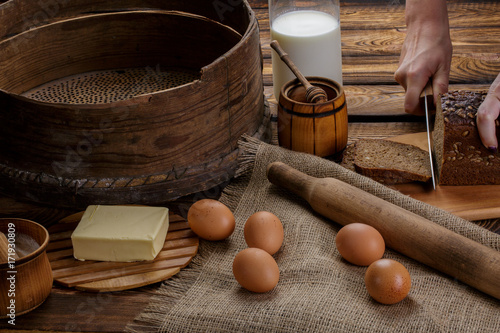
point(313, 94)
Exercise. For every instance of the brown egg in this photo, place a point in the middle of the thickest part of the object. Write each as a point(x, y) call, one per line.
point(211, 220)
point(264, 231)
point(360, 244)
point(256, 270)
point(387, 281)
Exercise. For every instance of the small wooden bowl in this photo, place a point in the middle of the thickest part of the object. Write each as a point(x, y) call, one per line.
point(320, 128)
point(27, 281)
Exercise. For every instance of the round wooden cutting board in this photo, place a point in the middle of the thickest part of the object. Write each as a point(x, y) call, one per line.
point(181, 245)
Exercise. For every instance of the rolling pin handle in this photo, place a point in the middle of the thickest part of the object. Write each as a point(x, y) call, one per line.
point(283, 175)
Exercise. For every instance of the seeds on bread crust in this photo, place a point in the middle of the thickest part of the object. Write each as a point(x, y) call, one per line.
point(461, 157)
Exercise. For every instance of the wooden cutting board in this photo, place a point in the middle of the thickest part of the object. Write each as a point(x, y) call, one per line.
point(473, 203)
point(181, 245)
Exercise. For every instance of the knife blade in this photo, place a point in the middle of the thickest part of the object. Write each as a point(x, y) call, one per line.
point(428, 92)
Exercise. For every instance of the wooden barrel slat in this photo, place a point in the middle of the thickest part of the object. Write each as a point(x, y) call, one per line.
point(319, 129)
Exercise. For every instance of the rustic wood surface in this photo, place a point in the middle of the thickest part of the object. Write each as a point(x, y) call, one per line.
point(372, 34)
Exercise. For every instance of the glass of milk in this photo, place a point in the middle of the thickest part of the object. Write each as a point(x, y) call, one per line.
point(309, 31)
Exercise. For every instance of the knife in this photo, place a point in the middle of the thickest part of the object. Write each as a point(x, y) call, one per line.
point(428, 94)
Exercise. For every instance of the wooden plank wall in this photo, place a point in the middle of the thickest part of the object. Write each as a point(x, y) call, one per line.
point(372, 35)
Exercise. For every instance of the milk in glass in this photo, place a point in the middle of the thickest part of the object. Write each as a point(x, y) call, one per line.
point(312, 40)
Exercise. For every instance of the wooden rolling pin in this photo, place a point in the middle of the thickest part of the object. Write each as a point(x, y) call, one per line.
point(408, 233)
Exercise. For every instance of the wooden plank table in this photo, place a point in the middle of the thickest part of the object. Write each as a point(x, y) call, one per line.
point(372, 35)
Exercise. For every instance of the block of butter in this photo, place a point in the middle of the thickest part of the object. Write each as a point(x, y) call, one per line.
point(120, 233)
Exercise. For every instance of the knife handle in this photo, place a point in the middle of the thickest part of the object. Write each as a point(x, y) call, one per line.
point(427, 90)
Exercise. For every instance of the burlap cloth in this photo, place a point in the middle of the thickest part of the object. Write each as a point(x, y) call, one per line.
point(318, 291)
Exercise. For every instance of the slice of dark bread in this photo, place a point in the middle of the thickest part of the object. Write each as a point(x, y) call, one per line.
point(391, 162)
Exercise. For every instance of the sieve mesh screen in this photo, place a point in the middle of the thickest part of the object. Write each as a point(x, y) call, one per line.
point(109, 86)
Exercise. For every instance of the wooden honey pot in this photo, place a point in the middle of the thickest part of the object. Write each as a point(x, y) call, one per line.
point(315, 128)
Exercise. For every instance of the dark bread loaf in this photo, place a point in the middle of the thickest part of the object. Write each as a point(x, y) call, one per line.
point(391, 162)
point(460, 156)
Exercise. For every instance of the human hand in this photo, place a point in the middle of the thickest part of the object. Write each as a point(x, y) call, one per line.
point(426, 52)
point(426, 55)
point(487, 116)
